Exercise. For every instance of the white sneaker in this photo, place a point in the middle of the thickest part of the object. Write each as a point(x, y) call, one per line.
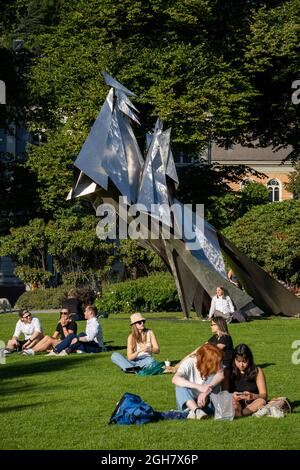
point(276, 412)
point(9, 351)
point(200, 414)
point(28, 352)
point(52, 353)
point(197, 414)
point(264, 411)
point(63, 353)
point(79, 351)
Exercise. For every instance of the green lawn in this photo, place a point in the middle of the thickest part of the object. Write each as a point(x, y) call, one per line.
point(66, 402)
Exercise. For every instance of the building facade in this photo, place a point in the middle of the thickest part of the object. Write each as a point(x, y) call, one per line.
point(264, 160)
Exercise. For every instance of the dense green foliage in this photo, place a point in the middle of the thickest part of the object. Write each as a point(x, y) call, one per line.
point(270, 236)
point(42, 299)
point(222, 205)
point(59, 393)
point(76, 251)
point(156, 292)
point(213, 70)
point(293, 184)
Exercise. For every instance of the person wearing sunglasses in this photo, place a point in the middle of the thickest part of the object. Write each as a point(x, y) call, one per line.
point(65, 327)
point(30, 327)
point(141, 344)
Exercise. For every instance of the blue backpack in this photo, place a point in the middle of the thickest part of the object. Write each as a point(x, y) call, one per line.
point(131, 409)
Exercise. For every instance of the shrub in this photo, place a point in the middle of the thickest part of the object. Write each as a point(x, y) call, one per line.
point(41, 299)
point(153, 293)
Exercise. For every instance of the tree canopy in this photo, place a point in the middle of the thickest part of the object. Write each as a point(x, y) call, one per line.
point(269, 235)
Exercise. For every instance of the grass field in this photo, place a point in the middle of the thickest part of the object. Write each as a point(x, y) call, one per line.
point(66, 402)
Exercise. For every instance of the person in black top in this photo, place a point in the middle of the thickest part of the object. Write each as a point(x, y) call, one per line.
point(222, 339)
point(65, 327)
point(73, 303)
point(248, 383)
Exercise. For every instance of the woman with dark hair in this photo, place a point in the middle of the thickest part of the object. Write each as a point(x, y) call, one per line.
point(141, 344)
point(222, 339)
point(248, 383)
point(196, 378)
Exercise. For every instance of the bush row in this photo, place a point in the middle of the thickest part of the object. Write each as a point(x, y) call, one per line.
point(152, 293)
point(41, 299)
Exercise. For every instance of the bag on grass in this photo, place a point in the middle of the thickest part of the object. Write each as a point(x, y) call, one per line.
point(282, 403)
point(131, 409)
point(223, 405)
point(156, 368)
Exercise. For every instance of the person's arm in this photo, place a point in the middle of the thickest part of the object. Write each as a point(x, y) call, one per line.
point(230, 305)
point(155, 349)
point(55, 335)
point(90, 332)
point(222, 342)
point(30, 340)
point(262, 388)
point(180, 381)
point(218, 378)
point(212, 307)
point(131, 352)
point(17, 331)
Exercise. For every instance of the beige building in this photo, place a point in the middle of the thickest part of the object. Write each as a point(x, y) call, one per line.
point(264, 160)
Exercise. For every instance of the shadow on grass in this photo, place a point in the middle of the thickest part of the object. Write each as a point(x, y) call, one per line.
point(9, 409)
point(267, 364)
point(295, 404)
point(114, 348)
point(19, 369)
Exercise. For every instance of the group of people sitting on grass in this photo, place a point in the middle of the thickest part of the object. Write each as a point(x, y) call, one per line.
point(63, 341)
point(214, 366)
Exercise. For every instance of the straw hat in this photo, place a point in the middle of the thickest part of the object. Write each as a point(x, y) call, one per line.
point(135, 317)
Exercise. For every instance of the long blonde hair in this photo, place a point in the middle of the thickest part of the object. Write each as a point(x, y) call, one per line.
point(138, 336)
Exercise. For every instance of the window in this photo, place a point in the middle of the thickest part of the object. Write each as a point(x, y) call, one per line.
point(274, 190)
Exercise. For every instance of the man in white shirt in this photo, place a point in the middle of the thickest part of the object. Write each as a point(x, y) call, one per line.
point(30, 327)
point(90, 342)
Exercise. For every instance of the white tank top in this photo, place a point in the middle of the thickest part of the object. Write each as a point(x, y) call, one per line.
point(140, 353)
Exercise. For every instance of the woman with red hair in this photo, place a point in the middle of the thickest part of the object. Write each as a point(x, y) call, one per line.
point(196, 378)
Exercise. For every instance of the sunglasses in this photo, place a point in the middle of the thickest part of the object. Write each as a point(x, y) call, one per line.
point(141, 322)
point(63, 312)
point(26, 316)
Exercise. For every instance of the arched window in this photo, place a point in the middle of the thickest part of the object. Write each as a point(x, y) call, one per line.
point(274, 190)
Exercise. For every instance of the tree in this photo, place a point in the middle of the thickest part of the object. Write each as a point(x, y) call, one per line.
point(28, 247)
point(137, 260)
point(272, 59)
point(269, 235)
point(222, 205)
point(76, 252)
point(293, 184)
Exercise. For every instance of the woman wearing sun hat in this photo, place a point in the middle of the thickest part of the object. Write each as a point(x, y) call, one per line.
point(141, 344)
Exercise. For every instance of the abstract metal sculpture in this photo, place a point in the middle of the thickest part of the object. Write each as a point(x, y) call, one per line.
point(110, 165)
